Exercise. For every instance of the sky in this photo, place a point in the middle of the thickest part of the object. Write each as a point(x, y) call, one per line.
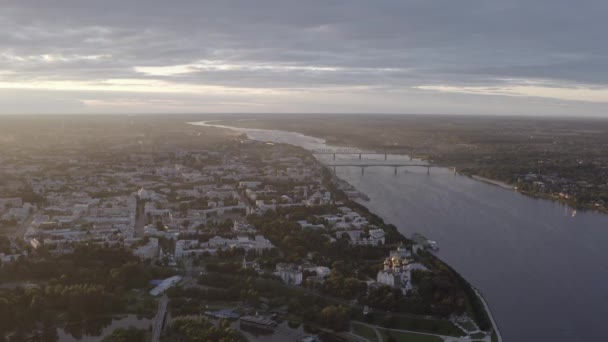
point(481, 57)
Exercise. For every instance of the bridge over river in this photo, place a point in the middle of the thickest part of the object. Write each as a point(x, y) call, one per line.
point(335, 152)
point(369, 164)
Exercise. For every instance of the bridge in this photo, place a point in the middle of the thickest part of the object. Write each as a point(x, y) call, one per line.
point(393, 165)
point(356, 151)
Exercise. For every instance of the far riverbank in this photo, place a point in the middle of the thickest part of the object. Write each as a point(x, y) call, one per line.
point(494, 182)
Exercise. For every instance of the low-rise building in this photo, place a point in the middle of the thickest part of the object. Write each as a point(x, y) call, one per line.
point(290, 273)
point(149, 250)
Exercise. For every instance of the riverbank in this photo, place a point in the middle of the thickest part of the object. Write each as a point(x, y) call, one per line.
point(494, 182)
point(496, 331)
point(479, 313)
point(502, 151)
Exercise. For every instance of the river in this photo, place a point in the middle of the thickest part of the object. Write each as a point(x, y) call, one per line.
point(542, 268)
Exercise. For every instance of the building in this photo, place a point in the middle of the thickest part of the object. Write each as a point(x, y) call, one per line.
point(148, 251)
point(7, 203)
point(401, 252)
point(140, 212)
point(243, 227)
point(291, 274)
point(250, 184)
point(396, 274)
point(376, 237)
point(185, 248)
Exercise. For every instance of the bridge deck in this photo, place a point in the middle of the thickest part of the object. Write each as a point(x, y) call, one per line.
point(379, 164)
point(356, 152)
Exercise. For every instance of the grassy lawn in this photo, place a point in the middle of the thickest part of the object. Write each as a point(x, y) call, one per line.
point(478, 335)
point(408, 337)
point(432, 326)
point(364, 331)
point(441, 327)
point(468, 325)
point(218, 305)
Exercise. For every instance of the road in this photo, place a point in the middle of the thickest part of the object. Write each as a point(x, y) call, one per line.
point(160, 318)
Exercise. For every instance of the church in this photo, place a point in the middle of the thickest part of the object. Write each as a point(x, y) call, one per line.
point(396, 272)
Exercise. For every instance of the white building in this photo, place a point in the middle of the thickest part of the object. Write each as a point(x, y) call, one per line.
point(242, 227)
point(188, 248)
point(290, 273)
point(394, 275)
point(376, 237)
point(250, 185)
point(148, 251)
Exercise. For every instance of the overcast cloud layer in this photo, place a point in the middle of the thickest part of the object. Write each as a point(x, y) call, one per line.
point(419, 56)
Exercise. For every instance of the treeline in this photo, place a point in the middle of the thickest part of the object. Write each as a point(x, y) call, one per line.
point(113, 267)
point(194, 329)
point(186, 301)
point(465, 291)
point(21, 309)
point(90, 282)
point(309, 307)
point(296, 243)
point(130, 334)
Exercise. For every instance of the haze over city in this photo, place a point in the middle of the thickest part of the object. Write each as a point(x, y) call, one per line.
point(442, 57)
point(303, 171)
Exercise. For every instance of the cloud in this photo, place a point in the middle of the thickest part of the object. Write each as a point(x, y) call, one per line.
point(357, 49)
point(579, 93)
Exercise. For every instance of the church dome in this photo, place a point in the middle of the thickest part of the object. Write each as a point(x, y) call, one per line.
point(396, 260)
point(387, 261)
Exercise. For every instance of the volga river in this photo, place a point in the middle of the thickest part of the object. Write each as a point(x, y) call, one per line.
point(542, 268)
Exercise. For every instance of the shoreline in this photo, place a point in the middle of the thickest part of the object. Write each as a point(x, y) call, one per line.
point(344, 144)
point(485, 305)
point(489, 312)
point(493, 182)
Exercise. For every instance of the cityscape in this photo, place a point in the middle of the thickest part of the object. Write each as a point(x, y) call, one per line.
point(248, 234)
point(303, 171)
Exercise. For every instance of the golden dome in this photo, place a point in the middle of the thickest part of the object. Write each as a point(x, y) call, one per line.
point(396, 260)
point(387, 261)
point(404, 262)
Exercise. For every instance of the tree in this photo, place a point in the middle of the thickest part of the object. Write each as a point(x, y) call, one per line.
point(336, 317)
point(126, 335)
point(188, 329)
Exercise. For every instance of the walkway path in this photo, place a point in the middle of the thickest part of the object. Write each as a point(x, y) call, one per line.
point(160, 318)
point(443, 337)
point(494, 325)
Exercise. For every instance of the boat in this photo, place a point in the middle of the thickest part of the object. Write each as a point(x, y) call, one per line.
point(363, 196)
point(433, 245)
point(424, 242)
